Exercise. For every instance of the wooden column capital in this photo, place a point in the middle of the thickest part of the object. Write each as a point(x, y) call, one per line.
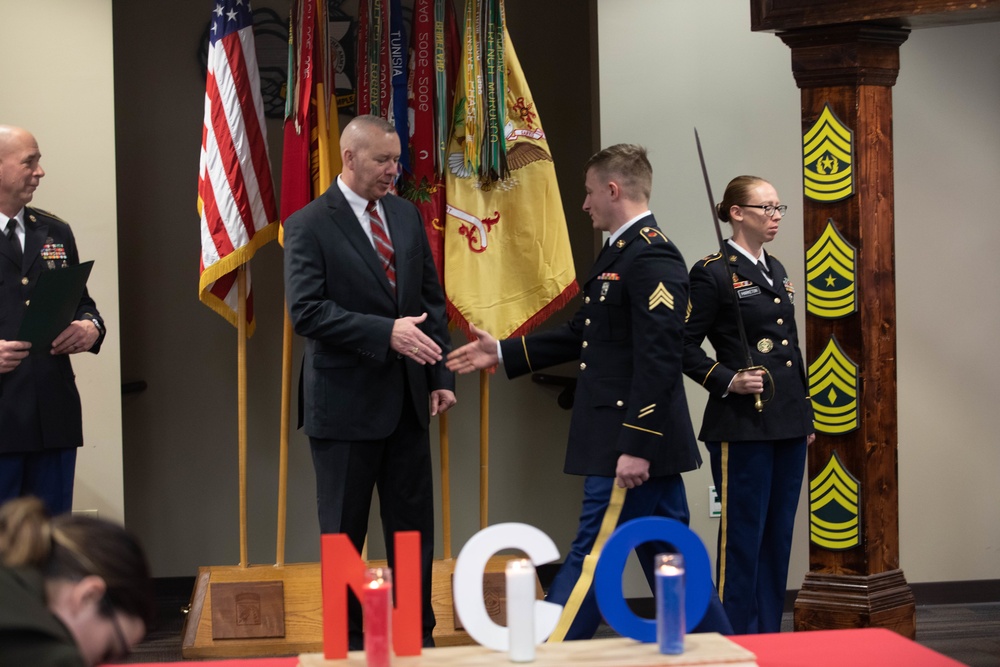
point(851, 54)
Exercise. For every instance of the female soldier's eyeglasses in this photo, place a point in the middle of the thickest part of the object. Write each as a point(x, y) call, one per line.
point(768, 209)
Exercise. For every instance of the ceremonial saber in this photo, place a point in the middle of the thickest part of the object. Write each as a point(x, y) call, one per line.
point(758, 404)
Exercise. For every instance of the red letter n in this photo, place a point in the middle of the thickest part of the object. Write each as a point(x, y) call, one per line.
point(342, 567)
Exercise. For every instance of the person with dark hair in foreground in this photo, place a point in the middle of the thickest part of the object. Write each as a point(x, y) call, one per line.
point(74, 590)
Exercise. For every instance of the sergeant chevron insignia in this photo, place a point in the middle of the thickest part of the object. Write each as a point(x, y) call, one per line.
point(660, 296)
point(834, 502)
point(833, 388)
point(831, 275)
point(827, 157)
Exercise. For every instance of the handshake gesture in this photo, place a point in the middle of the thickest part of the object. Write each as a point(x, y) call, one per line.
point(475, 356)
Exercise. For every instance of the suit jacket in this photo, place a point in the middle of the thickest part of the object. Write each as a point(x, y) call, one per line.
point(39, 402)
point(628, 336)
point(30, 634)
point(353, 384)
point(769, 320)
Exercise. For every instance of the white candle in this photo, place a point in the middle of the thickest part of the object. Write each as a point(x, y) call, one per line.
point(520, 578)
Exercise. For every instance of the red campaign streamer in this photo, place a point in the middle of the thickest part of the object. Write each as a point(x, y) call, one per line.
point(364, 66)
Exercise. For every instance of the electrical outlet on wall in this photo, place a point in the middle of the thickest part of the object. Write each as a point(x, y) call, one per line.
point(714, 503)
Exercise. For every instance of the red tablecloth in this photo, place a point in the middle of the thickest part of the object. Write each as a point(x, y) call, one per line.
point(867, 647)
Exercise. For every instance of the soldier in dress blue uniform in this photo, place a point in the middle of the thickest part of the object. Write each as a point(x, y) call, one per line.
point(40, 416)
point(757, 457)
point(630, 432)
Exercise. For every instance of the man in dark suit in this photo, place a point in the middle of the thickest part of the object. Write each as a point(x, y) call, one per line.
point(41, 424)
point(363, 290)
point(630, 431)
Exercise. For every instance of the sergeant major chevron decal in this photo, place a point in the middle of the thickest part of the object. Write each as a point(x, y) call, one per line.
point(833, 387)
point(831, 276)
point(828, 159)
point(834, 517)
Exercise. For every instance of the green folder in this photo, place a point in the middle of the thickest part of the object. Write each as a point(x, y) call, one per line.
point(53, 305)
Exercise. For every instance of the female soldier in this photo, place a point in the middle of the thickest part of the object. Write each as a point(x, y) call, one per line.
point(757, 456)
point(74, 590)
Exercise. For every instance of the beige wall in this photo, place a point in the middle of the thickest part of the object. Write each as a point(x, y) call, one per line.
point(58, 83)
point(667, 67)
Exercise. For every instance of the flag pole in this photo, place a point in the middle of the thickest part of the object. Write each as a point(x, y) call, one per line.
point(445, 485)
point(241, 411)
point(484, 448)
point(286, 401)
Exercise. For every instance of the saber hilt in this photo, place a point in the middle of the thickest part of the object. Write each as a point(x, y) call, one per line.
point(758, 401)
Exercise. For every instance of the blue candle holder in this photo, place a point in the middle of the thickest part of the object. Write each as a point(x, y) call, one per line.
point(669, 570)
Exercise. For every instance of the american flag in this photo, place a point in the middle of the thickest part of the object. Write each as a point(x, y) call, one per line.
point(235, 189)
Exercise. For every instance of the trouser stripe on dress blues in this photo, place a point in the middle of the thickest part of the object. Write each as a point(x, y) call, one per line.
point(608, 525)
point(724, 494)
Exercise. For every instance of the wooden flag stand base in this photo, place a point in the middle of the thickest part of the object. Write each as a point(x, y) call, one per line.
point(301, 612)
point(211, 634)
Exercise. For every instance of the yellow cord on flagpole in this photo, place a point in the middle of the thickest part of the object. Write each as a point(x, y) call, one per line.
point(445, 485)
point(241, 411)
point(484, 448)
point(286, 402)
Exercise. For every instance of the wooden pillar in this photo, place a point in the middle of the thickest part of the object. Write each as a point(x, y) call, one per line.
point(846, 73)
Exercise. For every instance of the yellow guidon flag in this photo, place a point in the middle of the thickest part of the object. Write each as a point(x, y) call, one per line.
point(506, 248)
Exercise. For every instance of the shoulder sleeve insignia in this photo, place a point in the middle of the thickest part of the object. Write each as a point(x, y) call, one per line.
point(711, 258)
point(661, 296)
point(652, 235)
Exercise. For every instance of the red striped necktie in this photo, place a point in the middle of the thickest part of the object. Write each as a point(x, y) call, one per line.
point(383, 245)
